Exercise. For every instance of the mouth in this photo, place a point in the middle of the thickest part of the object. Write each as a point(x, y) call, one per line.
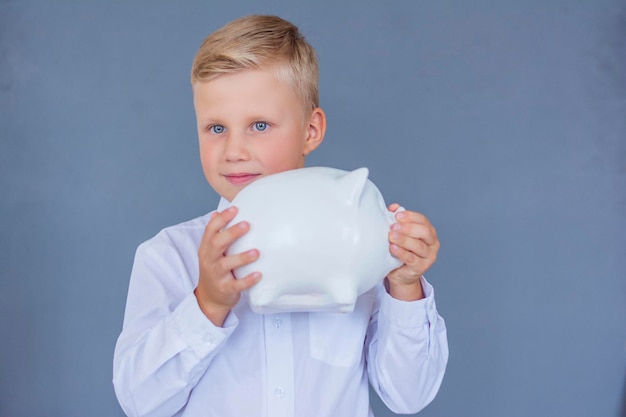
point(241, 178)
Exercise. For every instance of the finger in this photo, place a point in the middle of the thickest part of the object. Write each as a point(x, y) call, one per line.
point(407, 216)
point(412, 262)
point(222, 240)
point(425, 232)
point(229, 263)
point(393, 207)
point(222, 218)
point(416, 246)
point(215, 224)
point(407, 257)
point(246, 282)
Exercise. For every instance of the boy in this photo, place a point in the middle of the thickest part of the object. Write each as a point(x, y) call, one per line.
point(190, 345)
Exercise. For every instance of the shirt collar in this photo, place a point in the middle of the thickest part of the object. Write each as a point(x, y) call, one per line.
point(223, 204)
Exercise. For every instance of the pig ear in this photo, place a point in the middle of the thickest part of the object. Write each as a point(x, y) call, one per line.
point(353, 183)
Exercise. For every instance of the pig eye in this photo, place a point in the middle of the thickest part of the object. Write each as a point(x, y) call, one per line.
point(217, 129)
point(260, 126)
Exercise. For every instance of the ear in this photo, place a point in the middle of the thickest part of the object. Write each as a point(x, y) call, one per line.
point(353, 184)
point(315, 131)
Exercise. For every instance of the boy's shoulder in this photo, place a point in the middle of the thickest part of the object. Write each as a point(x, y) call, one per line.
point(199, 222)
point(182, 234)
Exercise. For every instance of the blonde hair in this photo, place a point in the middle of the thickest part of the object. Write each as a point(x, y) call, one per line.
point(255, 42)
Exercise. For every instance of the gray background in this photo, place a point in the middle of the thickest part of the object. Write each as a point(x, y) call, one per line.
point(504, 122)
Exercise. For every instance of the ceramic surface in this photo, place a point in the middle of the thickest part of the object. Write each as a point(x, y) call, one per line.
point(322, 236)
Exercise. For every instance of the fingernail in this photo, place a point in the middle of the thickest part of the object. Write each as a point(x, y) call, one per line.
point(400, 215)
point(242, 225)
point(395, 226)
point(231, 209)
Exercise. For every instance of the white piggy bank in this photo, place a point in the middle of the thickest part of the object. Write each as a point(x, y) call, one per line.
point(322, 236)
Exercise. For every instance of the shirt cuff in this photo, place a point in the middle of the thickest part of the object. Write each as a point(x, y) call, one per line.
point(410, 314)
point(197, 330)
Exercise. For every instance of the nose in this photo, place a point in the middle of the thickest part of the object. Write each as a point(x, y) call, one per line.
point(236, 148)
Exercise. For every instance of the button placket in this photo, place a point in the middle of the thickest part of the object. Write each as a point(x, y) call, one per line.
point(280, 367)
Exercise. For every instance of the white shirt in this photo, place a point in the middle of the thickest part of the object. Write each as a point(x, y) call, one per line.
point(171, 360)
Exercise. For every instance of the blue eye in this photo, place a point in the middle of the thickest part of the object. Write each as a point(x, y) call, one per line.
point(260, 126)
point(217, 129)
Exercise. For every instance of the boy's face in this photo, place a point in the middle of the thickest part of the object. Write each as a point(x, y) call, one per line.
point(251, 125)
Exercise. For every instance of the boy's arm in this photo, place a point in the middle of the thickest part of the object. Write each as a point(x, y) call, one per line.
point(406, 351)
point(407, 348)
point(167, 342)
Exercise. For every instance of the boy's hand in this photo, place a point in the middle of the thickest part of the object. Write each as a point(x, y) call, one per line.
point(218, 290)
point(413, 240)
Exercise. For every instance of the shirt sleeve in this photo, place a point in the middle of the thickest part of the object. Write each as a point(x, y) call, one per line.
point(166, 343)
point(407, 351)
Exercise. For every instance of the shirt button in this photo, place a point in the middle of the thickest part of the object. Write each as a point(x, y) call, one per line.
point(278, 322)
point(279, 392)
